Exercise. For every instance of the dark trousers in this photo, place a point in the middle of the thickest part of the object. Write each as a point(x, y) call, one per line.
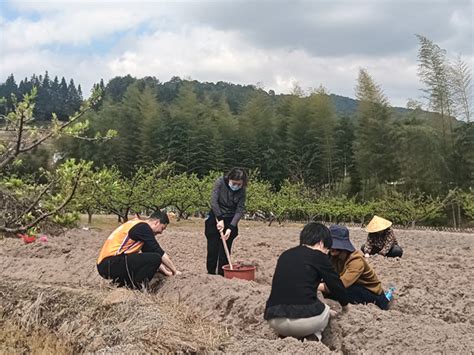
point(395, 251)
point(132, 270)
point(358, 294)
point(216, 257)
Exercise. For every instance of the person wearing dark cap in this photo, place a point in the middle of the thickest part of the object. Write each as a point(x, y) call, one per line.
point(131, 256)
point(356, 274)
point(293, 308)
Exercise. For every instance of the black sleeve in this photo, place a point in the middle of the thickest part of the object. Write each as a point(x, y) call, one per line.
point(332, 281)
point(240, 209)
point(215, 198)
point(142, 232)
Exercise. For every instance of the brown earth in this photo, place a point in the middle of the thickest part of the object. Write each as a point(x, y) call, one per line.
point(53, 289)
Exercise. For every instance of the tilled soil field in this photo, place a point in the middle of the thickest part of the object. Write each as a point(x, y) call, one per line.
point(52, 298)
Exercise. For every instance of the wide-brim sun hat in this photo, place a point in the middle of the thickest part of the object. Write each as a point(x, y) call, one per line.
point(340, 238)
point(378, 224)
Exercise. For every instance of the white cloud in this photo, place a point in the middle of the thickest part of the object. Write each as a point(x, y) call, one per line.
point(72, 28)
point(181, 41)
point(209, 55)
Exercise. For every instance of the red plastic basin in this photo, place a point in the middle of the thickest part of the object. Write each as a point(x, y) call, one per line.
point(243, 272)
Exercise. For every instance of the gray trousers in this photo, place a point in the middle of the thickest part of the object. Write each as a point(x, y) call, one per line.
point(301, 327)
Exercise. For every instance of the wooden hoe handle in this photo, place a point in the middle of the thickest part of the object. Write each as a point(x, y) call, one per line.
point(226, 251)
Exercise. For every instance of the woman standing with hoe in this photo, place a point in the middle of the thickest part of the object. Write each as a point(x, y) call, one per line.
point(227, 207)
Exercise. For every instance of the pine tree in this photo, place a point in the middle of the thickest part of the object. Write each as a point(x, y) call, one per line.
point(210, 137)
point(282, 118)
point(187, 144)
point(462, 160)
point(265, 134)
point(79, 93)
point(419, 156)
point(128, 144)
point(375, 142)
point(461, 88)
point(43, 107)
point(434, 72)
point(344, 166)
point(8, 89)
point(56, 105)
point(73, 98)
point(150, 121)
point(63, 91)
point(257, 131)
point(224, 126)
point(324, 119)
point(304, 146)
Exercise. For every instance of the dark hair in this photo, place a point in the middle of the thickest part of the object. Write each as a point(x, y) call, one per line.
point(379, 233)
point(237, 174)
point(315, 232)
point(161, 216)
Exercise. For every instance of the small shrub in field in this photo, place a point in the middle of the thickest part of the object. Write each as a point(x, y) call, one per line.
point(68, 220)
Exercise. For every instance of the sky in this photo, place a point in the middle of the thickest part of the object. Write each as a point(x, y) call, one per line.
point(272, 44)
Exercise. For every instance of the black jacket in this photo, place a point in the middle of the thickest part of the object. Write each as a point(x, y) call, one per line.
point(227, 204)
point(298, 273)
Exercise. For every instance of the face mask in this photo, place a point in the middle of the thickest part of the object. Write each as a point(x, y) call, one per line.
point(234, 187)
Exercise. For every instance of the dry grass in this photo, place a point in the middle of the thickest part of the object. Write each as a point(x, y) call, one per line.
point(14, 339)
point(104, 320)
point(101, 222)
point(184, 328)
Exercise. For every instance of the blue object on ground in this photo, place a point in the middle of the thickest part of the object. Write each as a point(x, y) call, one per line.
point(389, 293)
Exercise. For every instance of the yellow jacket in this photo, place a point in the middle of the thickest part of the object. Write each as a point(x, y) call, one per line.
point(356, 270)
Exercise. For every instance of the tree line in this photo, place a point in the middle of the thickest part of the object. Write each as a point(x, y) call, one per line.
point(159, 187)
point(53, 96)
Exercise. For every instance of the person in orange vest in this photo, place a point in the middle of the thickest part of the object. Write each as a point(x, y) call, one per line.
point(131, 256)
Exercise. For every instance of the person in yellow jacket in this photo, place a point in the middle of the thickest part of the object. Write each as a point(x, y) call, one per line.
point(358, 277)
point(131, 256)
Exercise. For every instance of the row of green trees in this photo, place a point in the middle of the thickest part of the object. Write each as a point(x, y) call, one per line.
point(158, 187)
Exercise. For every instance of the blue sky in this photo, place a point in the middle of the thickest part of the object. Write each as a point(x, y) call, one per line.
point(274, 43)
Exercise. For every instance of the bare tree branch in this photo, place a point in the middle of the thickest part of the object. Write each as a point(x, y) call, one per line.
point(51, 133)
